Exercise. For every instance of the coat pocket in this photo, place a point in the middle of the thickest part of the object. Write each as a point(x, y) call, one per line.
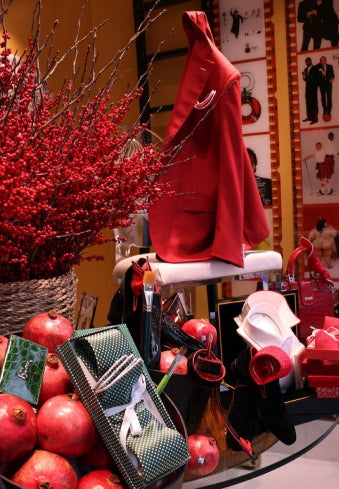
point(200, 203)
point(206, 102)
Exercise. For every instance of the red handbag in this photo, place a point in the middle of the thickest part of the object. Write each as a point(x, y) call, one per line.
point(315, 296)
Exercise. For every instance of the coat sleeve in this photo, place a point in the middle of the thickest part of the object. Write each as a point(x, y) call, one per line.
point(240, 219)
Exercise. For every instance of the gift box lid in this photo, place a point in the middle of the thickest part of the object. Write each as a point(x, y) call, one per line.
point(319, 367)
point(313, 353)
point(323, 380)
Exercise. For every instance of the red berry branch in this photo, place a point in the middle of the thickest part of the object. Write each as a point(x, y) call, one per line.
point(64, 173)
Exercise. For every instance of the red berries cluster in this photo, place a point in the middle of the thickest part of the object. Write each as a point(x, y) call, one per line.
point(64, 173)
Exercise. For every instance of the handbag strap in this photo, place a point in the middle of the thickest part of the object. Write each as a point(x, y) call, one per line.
point(292, 259)
point(313, 262)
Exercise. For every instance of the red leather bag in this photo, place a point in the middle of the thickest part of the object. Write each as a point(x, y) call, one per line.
point(315, 296)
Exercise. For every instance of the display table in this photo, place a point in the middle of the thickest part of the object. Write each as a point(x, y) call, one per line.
point(314, 419)
point(309, 434)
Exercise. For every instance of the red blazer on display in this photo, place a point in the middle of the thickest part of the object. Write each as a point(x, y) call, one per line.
point(215, 211)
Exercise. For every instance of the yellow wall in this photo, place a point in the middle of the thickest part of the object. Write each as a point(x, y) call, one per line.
point(96, 277)
point(112, 37)
point(285, 167)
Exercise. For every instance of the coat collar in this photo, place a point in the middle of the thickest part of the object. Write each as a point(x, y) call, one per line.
point(196, 70)
point(196, 26)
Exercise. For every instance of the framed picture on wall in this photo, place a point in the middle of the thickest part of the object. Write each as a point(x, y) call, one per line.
point(242, 29)
point(258, 148)
point(316, 24)
point(316, 108)
point(87, 309)
point(254, 96)
point(320, 179)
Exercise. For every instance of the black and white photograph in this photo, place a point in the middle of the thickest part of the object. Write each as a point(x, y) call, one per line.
point(320, 166)
point(318, 80)
point(317, 24)
point(258, 148)
point(87, 309)
point(242, 29)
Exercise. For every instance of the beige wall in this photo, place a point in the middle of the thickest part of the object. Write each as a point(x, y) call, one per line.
point(96, 277)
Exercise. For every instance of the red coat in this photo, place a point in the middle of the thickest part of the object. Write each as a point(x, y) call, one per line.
point(216, 211)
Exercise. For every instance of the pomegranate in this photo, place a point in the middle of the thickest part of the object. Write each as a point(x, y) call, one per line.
point(64, 426)
point(18, 428)
point(48, 329)
point(46, 470)
point(166, 359)
point(201, 329)
point(98, 457)
point(3, 346)
point(100, 479)
point(204, 454)
point(55, 380)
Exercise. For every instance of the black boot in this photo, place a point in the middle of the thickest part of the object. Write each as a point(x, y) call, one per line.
point(265, 408)
point(273, 413)
point(243, 416)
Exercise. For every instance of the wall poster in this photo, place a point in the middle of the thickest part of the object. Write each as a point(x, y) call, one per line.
point(313, 59)
point(245, 35)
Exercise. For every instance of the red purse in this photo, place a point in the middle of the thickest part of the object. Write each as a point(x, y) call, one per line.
point(315, 296)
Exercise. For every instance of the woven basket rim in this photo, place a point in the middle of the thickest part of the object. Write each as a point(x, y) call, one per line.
point(34, 281)
point(20, 301)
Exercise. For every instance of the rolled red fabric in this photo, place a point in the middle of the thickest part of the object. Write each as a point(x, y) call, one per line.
point(268, 364)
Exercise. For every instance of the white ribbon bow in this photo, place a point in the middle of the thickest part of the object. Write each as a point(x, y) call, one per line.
point(332, 331)
point(130, 420)
point(138, 393)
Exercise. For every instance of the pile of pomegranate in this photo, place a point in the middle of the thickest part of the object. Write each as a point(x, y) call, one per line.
point(57, 445)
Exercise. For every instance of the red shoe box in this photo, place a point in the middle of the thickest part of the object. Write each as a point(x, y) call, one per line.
point(323, 380)
point(324, 345)
point(312, 353)
point(318, 367)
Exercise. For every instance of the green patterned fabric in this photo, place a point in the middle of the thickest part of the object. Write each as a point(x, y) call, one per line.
point(23, 369)
point(158, 448)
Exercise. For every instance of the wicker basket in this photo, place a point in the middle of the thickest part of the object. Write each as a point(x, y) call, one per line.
point(19, 301)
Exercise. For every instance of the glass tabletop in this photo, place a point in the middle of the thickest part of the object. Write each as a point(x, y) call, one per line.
point(309, 433)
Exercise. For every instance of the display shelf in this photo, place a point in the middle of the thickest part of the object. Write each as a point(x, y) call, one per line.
point(314, 419)
point(309, 434)
point(192, 274)
point(175, 276)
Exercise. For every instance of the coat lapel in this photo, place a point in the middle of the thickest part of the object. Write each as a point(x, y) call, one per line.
point(196, 72)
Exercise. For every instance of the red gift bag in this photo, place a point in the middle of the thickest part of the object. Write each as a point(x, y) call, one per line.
point(315, 296)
